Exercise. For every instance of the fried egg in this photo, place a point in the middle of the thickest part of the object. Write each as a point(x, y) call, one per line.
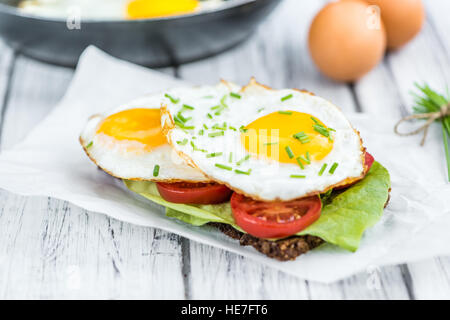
point(128, 143)
point(267, 144)
point(107, 9)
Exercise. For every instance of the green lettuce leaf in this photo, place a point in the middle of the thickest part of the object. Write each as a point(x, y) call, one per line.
point(344, 217)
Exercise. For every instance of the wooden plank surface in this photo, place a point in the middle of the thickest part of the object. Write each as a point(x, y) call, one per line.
point(51, 249)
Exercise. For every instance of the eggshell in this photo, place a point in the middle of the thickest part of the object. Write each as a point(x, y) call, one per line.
point(403, 20)
point(344, 42)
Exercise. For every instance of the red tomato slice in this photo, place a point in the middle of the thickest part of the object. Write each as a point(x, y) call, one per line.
point(194, 193)
point(368, 160)
point(274, 219)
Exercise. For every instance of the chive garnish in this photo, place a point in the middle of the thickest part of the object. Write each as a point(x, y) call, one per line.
point(285, 112)
point(315, 120)
point(201, 132)
point(289, 96)
point(222, 166)
point(333, 168)
point(214, 154)
point(242, 129)
point(308, 157)
point(172, 99)
point(243, 172)
point(235, 95)
point(270, 143)
point(302, 137)
point(156, 170)
point(261, 109)
point(322, 130)
point(289, 152)
point(209, 115)
point(186, 106)
point(89, 145)
point(215, 134)
point(243, 159)
point(216, 107)
point(306, 160)
point(297, 176)
point(299, 161)
point(230, 158)
point(322, 169)
point(205, 126)
point(189, 127)
point(180, 116)
point(182, 143)
point(232, 128)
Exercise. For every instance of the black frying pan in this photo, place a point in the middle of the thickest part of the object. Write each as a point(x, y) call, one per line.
point(151, 42)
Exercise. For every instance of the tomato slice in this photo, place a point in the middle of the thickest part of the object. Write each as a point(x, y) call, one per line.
point(274, 219)
point(194, 193)
point(368, 161)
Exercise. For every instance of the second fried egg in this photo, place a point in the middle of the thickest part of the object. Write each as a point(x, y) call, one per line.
point(128, 143)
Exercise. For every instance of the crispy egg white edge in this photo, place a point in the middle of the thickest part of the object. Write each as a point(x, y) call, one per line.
point(267, 186)
point(137, 167)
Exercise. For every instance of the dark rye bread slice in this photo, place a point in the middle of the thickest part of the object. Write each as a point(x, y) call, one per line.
point(283, 250)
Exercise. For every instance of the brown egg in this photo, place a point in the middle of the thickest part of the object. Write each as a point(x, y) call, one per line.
point(346, 40)
point(403, 19)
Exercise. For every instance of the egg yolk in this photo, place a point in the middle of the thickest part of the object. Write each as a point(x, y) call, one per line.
point(273, 134)
point(140, 125)
point(139, 9)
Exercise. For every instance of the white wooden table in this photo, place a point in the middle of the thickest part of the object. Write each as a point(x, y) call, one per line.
point(52, 249)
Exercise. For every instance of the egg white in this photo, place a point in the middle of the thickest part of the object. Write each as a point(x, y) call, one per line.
point(269, 180)
point(116, 158)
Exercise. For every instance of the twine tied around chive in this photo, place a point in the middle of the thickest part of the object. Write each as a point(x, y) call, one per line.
point(431, 116)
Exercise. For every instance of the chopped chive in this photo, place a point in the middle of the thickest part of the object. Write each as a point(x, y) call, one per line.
point(289, 152)
point(297, 176)
point(182, 143)
point(235, 95)
point(205, 126)
point(232, 128)
point(306, 160)
point(322, 130)
point(315, 120)
point(193, 138)
point(189, 127)
point(242, 160)
point(299, 161)
point(172, 99)
point(270, 143)
point(89, 145)
point(216, 107)
point(222, 101)
point(322, 169)
point(222, 166)
point(156, 170)
point(180, 116)
point(243, 172)
point(186, 106)
point(242, 129)
point(308, 157)
point(201, 132)
point(333, 168)
point(215, 134)
point(230, 158)
point(209, 115)
point(214, 154)
point(285, 112)
point(261, 109)
point(289, 96)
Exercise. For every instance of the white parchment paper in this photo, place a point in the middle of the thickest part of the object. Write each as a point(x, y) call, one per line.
point(50, 162)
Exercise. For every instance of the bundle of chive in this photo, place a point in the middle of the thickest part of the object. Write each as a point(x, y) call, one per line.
point(431, 106)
